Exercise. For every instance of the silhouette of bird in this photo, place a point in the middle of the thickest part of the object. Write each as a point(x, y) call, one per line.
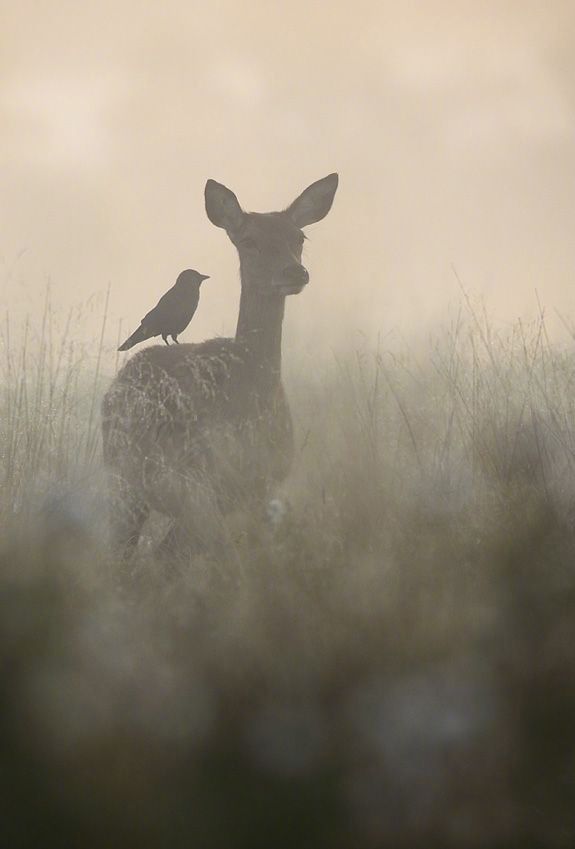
point(172, 313)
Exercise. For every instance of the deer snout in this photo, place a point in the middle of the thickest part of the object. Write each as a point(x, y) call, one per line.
point(296, 273)
point(293, 278)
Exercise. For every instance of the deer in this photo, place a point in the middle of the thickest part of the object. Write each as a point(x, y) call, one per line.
point(195, 431)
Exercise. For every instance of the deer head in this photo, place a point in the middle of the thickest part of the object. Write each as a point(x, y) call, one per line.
point(270, 244)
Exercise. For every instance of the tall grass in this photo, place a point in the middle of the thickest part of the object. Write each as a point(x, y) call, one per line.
point(50, 385)
point(387, 659)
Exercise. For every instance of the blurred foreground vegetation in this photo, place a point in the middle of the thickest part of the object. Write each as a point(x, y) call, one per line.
point(385, 658)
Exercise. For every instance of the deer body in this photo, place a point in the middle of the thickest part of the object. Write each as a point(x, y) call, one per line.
point(197, 429)
point(180, 424)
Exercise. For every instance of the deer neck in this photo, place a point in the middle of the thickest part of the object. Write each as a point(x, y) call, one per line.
point(259, 331)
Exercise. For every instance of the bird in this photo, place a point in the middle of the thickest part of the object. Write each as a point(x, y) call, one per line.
point(172, 313)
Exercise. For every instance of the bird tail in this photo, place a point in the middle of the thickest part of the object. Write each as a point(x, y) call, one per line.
point(138, 335)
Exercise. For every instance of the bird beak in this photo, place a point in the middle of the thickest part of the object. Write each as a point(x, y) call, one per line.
point(205, 276)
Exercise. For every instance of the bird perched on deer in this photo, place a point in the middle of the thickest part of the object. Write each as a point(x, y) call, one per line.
point(172, 313)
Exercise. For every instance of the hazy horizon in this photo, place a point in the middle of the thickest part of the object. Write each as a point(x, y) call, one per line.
point(452, 127)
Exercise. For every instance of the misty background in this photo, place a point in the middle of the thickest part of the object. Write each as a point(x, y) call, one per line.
point(383, 654)
point(451, 124)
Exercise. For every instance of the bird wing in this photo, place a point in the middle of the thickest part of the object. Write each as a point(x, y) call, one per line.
point(163, 312)
point(173, 312)
point(185, 313)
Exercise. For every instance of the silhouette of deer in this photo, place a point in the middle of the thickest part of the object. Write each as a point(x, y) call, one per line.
point(196, 430)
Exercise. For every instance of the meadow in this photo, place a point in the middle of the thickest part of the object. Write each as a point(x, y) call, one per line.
point(386, 657)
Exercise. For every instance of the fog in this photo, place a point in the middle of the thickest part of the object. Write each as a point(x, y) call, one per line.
point(378, 648)
point(452, 126)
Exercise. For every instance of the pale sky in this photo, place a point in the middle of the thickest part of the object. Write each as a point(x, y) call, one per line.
point(451, 124)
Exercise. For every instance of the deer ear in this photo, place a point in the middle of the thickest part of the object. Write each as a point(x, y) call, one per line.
point(315, 202)
point(222, 206)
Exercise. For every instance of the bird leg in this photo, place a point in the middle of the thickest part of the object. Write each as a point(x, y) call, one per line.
point(175, 338)
point(165, 338)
